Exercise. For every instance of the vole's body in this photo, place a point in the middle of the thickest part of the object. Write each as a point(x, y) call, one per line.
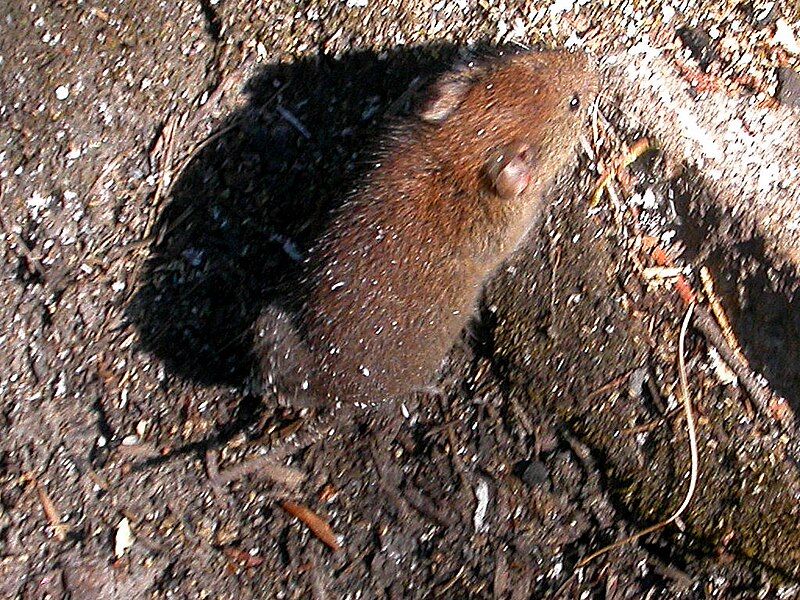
point(398, 273)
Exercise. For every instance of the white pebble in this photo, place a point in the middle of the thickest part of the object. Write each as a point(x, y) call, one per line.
point(482, 495)
point(124, 538)
point(62, 92)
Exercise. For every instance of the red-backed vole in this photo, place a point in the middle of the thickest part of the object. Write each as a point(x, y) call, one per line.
point(453, 192)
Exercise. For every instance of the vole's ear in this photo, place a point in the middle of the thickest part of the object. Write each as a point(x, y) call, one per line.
point(446, 95)
point(510, 170)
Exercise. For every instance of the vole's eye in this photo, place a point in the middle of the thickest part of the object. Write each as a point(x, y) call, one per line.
point(575, 102)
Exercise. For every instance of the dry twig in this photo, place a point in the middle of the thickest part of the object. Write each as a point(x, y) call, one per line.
point(638, 148)
point(767, 402)
point(719, 313)
point(607, 387)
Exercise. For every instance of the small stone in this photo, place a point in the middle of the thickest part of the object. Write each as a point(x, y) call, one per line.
point(62, 92)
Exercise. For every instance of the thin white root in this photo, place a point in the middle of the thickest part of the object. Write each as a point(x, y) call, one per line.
point(687, 405)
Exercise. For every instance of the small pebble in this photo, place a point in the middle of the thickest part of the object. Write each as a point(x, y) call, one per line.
point(62, 92)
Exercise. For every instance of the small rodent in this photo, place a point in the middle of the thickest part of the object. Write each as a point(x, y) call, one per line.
point(455, 189)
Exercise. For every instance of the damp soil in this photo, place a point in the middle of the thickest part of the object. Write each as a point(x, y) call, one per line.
point(152, 213)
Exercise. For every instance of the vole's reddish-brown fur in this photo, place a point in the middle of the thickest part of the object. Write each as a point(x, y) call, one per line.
point(399, 271)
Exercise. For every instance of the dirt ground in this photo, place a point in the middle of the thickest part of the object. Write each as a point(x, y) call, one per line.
point(164, 166)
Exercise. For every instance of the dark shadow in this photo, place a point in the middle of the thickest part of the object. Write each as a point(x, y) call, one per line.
point(249, 204)
point(758, 297)
point(766, 319)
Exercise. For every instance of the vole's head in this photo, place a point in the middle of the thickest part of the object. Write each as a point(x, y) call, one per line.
point(510, 123)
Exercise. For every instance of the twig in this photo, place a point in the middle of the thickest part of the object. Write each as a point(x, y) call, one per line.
point(650, 425)
point(424, 506)
point(408, 496)
point(767, 402)
point(265, 466)
point(293, 121)
point(383, 481)
point(762, 396)
point(453, 580)
point(719, 313)
point(241, 557)
point(164, 181)
point(607, 387)
point(638, 148)
point(212, 469)
point(434, 431)
point(687, 405)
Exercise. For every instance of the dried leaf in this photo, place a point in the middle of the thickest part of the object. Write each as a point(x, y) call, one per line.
point(50, 511)
point(317, 526)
